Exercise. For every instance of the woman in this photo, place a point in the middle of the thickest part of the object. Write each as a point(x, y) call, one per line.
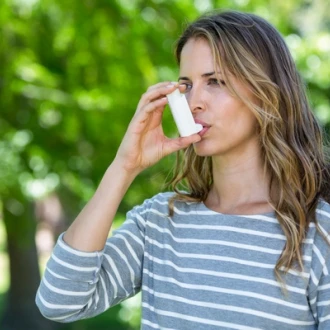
point(245, 245)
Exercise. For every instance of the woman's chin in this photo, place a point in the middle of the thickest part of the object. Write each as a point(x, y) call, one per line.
point(200, 151)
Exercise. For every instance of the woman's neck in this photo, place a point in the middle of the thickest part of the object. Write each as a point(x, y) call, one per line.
point(240, 186)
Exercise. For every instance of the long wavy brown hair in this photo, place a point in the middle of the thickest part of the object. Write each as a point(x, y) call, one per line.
point(252, 50)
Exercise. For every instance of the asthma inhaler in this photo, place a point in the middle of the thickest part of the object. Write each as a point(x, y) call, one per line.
point(182, 115)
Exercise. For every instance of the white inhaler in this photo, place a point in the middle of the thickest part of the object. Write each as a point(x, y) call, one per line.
point(182, 115)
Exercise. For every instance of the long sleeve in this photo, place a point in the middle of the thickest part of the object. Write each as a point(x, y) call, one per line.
point(79, 285)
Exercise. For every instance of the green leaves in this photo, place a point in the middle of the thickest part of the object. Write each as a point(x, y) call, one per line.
point(72, 73)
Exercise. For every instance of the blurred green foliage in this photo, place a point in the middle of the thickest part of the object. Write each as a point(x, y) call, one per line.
point(72, 72)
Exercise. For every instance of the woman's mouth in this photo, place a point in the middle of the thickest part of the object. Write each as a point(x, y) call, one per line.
point(206, 127)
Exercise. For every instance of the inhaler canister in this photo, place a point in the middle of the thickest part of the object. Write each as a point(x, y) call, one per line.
point(182, 115)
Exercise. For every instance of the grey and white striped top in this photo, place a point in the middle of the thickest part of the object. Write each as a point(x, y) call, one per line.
point(197, 270)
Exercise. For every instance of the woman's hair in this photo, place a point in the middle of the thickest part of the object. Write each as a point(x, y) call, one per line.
point(252, 50)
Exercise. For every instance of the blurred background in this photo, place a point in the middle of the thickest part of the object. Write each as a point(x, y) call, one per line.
point(71, 74)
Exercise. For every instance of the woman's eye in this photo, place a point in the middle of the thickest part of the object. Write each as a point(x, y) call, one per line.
point(215, 81)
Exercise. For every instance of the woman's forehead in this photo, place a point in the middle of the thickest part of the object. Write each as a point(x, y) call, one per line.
point(197, 56)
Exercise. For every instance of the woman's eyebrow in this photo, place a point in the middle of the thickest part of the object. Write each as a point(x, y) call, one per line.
point(207, 74)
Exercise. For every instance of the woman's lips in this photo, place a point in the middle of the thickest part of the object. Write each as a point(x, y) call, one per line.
point(203, 131)
point(205, 127)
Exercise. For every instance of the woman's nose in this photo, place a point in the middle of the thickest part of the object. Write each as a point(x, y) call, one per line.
point(194, 98)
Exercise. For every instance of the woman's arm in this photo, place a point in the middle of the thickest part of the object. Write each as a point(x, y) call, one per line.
point(85, 276)
point(143, 145)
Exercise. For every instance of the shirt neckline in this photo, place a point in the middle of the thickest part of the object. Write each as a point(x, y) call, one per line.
point(265, 214)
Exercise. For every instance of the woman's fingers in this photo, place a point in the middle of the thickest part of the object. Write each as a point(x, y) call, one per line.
point(144, 113)
point(161, 84)
point(182, 88)
point(158, 92)
point(154, 94)
point(152, 106)
point(173, 145)
point(154, 99)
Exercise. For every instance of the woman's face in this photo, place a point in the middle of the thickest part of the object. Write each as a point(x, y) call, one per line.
point(229, 126)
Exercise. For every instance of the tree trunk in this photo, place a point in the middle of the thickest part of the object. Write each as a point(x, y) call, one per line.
point(21, 312)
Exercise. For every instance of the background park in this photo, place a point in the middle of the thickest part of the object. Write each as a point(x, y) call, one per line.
point(71, 74)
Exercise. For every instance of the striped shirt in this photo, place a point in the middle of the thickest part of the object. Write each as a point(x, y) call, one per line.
point(198, 269)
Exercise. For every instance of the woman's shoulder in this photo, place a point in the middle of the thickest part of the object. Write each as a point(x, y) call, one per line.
point(159, 202)
point(162, 201)
point(162, 198)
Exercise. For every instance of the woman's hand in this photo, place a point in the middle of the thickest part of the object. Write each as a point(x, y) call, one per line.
point(144, 143)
